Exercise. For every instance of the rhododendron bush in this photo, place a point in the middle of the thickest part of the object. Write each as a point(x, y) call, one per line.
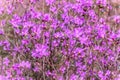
point(59, 40)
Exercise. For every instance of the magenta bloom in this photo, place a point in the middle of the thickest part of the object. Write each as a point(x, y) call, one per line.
point(40, 51)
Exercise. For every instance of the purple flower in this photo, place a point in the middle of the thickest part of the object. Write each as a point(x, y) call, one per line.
point(78, 21)
point(1, 32)
point(77, 32)
point(74, 77)
point(40, 51)
point(6, 61)
point(50, 2)
point(2, 77)
point(118, 34)
point(83, 39)
point(25, 64)
point(103, 2)
point(53, 9)
point(1, 10)
point(33, 1)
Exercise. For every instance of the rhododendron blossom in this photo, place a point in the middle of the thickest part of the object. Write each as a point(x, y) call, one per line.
point(59, 40)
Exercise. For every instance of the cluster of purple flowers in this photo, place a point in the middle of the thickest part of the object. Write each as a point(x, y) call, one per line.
point(66, 40)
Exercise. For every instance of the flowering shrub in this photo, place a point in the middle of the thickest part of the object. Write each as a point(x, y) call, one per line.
point(59, 40)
